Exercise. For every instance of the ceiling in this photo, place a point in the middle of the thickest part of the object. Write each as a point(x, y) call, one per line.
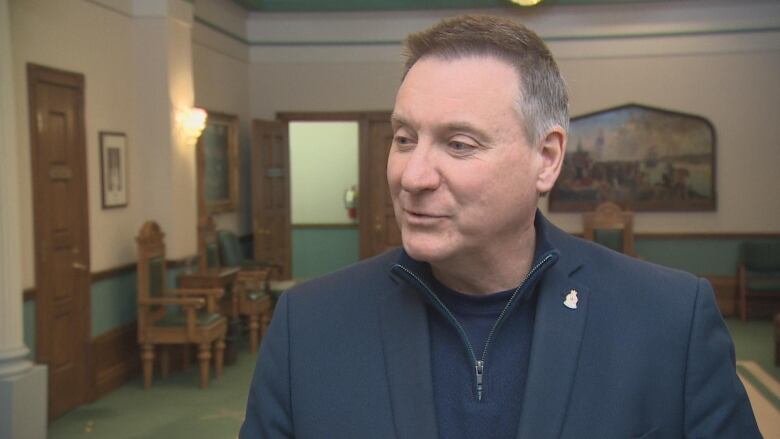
point(400, 5)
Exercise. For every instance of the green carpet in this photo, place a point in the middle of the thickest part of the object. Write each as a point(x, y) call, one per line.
point(176, 408)
point(172, 408)
point(754, 340)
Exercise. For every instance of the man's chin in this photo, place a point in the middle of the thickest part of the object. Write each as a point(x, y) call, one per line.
point(425, 252)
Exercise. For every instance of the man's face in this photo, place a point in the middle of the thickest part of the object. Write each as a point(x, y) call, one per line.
point(463, 179)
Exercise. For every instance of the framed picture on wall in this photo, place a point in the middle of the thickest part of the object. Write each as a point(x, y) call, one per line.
point(113, 169)
point(640, 157)
point(217, 158)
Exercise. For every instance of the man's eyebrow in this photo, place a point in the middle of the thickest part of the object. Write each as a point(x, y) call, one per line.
point(398, 120)
point(467, 128)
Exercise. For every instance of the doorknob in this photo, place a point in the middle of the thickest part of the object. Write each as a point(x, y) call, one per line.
point(79, 266)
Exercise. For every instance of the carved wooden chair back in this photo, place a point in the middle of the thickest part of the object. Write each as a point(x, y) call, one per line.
point(609, 216)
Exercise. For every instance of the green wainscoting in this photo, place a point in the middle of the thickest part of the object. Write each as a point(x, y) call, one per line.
point(28, 326)
point(714, 257)
point(113, 302)
point(320, 250)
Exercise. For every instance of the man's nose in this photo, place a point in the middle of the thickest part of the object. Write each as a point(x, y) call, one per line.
point(421, 172)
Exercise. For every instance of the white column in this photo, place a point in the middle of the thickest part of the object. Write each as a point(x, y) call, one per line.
point(163, 59)
point(22, 385)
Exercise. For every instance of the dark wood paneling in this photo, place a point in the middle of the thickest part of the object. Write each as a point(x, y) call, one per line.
point(116, 358)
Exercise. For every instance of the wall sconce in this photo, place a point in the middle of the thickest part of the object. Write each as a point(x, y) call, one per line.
point(191, 123)
point(526, 2)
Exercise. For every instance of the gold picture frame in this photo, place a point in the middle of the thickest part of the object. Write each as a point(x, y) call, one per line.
point(217, 160)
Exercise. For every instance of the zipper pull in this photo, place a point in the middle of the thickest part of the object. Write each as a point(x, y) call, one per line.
point(480, 368)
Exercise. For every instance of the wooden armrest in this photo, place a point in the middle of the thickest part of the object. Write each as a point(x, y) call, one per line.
point(203, 292)
point(187, 302)
point(256, 275)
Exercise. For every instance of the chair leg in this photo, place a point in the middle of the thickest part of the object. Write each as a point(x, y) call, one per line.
point(254, 327)
point(219, 355)
point(204, 356)
point(165, 361)
point(147, 359)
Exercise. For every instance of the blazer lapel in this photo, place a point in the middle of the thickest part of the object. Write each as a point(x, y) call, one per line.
point(555, 350)
point(406, 344)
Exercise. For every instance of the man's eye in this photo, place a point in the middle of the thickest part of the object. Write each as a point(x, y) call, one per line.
point(402, 141)
point(461, 147)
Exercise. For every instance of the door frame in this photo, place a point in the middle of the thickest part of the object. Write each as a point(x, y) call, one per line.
point(365, 218)
point(35, 75)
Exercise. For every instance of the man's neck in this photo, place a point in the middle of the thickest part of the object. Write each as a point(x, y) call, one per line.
point(482, 274)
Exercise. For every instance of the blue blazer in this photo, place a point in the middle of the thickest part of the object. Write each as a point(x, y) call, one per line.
point(645, 355)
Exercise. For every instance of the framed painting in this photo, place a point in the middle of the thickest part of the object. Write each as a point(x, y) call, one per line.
point(642, 158)
point(113, 169)
point(217, 158)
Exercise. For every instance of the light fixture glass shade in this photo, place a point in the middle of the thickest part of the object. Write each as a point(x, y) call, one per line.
point(526, 2)
point(192, 122)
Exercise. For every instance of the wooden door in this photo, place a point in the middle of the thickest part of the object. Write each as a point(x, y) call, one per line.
point(271, 194)
point(62, 277)
point(378, 229)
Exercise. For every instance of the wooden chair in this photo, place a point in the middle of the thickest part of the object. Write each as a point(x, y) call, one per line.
point(610, 217)
point(174, 316)
point(249, 292)
point(758, 273)
point(231, 255)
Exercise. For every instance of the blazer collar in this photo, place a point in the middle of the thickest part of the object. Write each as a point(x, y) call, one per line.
point(403, 323)
point(555, 347)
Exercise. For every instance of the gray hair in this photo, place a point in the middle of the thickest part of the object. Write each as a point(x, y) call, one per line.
point(543, 102)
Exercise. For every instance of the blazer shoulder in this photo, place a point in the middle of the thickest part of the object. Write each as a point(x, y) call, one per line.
point(357, 281)
point(633, 276)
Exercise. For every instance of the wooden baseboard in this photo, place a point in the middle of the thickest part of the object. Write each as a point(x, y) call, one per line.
point(725, 293)
point(116, 358)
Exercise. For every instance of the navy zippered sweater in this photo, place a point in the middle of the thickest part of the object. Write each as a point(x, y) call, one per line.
point(454, 318)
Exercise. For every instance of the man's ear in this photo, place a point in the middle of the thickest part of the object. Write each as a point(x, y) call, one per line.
point(552, 151)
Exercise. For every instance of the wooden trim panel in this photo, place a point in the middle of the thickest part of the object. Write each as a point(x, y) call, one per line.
point(326, 226)
point(713, 235)
point(111, 272)
point(116, 358)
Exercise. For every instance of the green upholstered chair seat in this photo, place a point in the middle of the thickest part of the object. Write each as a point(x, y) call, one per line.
point(202, 318)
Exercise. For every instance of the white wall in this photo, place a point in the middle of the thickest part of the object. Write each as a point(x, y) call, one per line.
point(323, 164)
point(96, 41)
point(717, 59)
point(221, 69)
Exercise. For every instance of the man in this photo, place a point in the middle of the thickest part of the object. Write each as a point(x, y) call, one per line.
point(491, 322)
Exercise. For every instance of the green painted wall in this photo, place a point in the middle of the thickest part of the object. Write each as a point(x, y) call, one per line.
point(318, 251)
point(113, 302)
point(699, 256)
point(28, 326)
